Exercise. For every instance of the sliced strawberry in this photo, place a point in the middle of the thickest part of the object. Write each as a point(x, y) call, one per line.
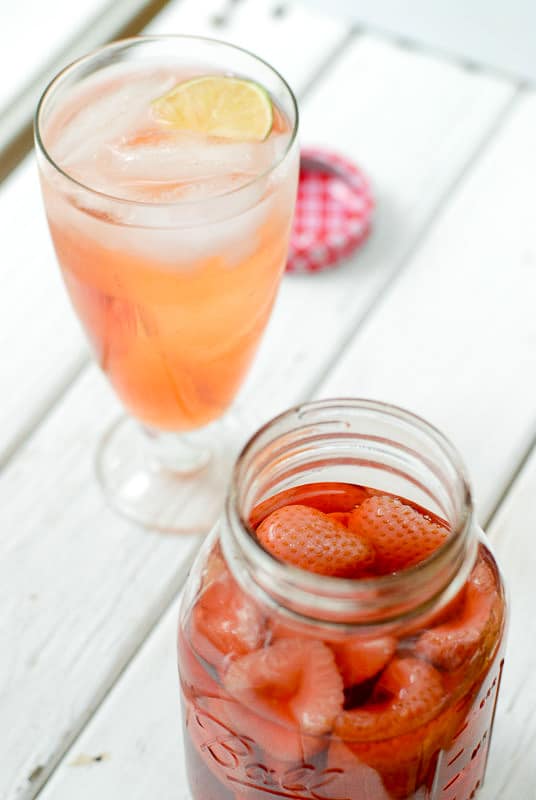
point(451, 645)
point(225, 622)
point(400, 535)
point(280, 742)
point(349, 772)
point(401, 730)
point(326, 497)
point(359, 659)
point(394, 769)
point(311, 540)
point(294, 682)
point(408, 694)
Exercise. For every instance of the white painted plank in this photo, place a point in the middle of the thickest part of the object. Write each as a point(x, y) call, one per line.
point(332, 305)
point(258, 26)
point(455, 338)
point(482, 32)
point(412, 123)
point(37, 326)
point(138, 727)
point(79, 589)
point(74, 604)
point(512, 767)
point(44, 28)
point(138, 730)
point(38, 38)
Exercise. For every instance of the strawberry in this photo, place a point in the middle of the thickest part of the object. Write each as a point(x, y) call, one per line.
point(352, 772)
point(451, 645)
point(399, 732)
point(359, 659)
point(400, 535)
point(293, 683)
point(277, 741)
point(326, 497)
point(310, 539)
point(225, 622)
point(393, 769)
point(408, 694)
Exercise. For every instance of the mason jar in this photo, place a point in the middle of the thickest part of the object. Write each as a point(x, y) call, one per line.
point(302, 685)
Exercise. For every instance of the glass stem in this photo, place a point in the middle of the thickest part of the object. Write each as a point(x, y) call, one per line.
point(180, 453)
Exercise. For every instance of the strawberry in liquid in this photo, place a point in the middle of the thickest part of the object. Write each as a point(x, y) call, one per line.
point(274, 711)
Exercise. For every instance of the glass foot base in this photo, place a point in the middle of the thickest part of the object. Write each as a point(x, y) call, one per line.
point(169, 482)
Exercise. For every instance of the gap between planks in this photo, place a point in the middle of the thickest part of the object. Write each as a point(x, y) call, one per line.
point(117, 20)
point(528, 455)
point(167, 606)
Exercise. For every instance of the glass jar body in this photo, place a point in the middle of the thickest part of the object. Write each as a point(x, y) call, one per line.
point(389, 698)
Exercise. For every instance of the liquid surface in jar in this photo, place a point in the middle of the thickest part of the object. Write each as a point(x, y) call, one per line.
point(347, 531)
point(276, 709)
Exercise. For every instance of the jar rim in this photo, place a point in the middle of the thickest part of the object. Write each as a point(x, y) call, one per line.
point(451, 559)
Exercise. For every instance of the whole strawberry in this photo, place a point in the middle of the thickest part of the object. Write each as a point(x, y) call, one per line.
point(314, 541)
point(400, 535)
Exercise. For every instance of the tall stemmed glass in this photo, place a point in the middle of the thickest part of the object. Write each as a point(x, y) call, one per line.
point(171, 245)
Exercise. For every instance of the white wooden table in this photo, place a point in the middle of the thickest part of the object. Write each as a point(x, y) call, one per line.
point(436, 313)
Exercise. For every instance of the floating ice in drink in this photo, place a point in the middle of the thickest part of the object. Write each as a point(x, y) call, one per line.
point(172, 239)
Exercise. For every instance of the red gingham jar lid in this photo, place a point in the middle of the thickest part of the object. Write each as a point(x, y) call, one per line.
point(333, 211)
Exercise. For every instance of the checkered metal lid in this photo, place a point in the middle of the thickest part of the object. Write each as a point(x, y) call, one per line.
point(333, 211)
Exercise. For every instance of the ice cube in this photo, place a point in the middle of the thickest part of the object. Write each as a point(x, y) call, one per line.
point(103, 114)
point(172, 158)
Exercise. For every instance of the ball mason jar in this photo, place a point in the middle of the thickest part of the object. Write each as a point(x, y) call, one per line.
point(303, 686)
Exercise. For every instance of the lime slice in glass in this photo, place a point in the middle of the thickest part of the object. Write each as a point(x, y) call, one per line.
point(218, 106)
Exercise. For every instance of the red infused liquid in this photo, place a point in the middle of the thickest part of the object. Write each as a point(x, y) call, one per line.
point(276, 708)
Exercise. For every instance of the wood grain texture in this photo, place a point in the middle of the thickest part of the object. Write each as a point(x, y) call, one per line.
point(139, 726)
point(454, 339)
